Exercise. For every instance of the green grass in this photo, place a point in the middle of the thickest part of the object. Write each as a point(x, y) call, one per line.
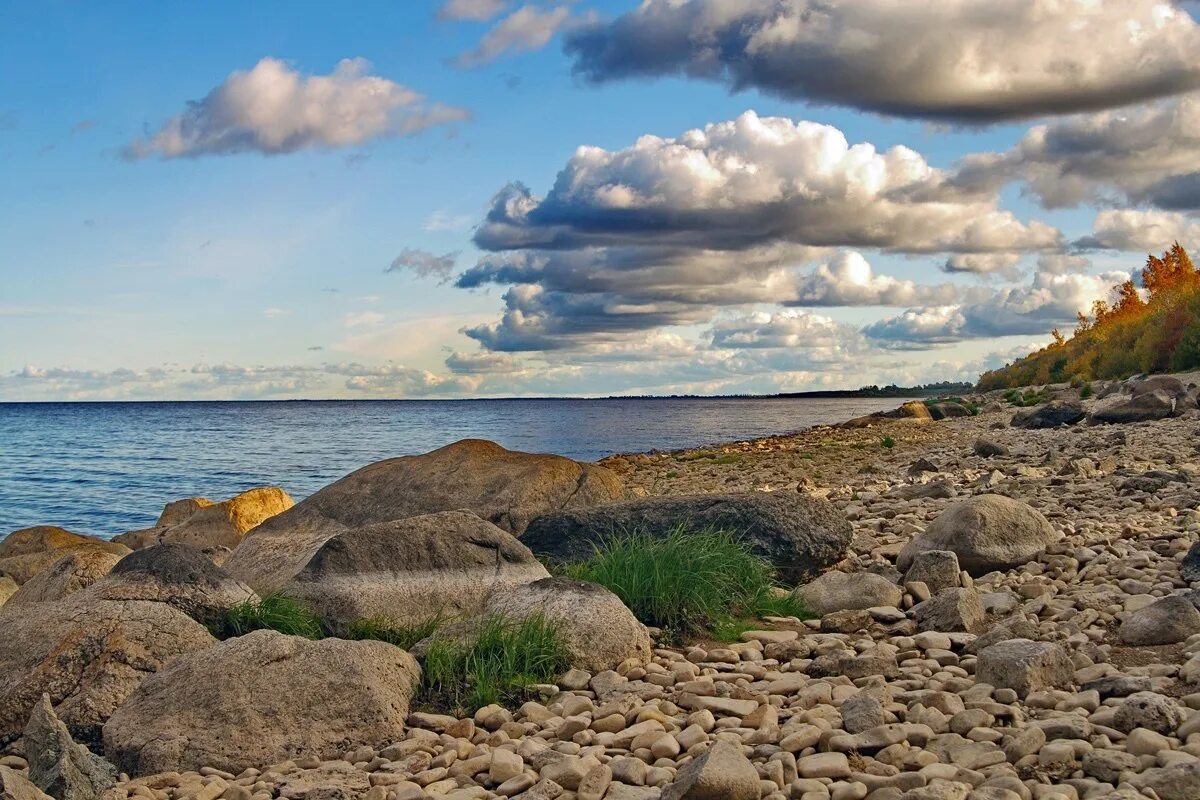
point(1030, 397)
point(1086, 391)
point(384, 629)
point(888, 442)
point(686, 582)
point(496, 662)
point(276, 611)
point(729, 458)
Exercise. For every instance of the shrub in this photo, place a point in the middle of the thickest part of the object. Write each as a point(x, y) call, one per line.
point(384, 629)
point(276, 611)
point(686, 581)
point(496, 662)
point(1086, 392)
point(888, 442)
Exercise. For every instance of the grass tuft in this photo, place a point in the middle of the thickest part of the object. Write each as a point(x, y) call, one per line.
point(276, 611)
point(888, 442)
point(384, 629)
point(688, 582)
point(496, 662)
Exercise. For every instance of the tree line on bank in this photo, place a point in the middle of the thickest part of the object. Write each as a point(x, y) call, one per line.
point(1154, 328)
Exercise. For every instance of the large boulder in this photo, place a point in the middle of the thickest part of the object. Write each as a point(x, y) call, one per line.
point(198, 522)
point(506, 488)
point(947, 410)
point(800, 535)
point(839, 591)
point(261, 699)
point(413, 569)
point(1167, 384)
point(598, 630)
point(70, 574)
point(15, 786)
point(57, 764)
point(987, 532)
point(1051, 415)
point(1166, 621)
point(1141, 408)
point(87, 654)
point(177, 575)
point(27, 552)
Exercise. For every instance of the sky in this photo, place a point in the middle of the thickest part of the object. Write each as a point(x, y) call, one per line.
point(494, 198)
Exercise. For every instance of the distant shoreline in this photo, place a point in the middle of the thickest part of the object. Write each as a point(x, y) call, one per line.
point(886, 392)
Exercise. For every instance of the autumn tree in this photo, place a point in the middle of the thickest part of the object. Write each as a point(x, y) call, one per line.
point(1173, 268)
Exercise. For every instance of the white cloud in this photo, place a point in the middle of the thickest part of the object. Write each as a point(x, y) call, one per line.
point(753, 181)
point(1146, 154)
point(442, 220)
point(848, 280)
point(1137, 231)
point(1003, 264)
point(530, 27)
point(273, 313)
point(273, 109)
point(972, 61)
point(471, 10)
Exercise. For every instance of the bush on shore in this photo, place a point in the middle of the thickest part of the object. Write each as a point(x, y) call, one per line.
point(276, 611)
point(687, 582)
point(495, 662)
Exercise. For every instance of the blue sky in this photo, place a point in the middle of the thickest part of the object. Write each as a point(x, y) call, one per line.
point(259, 273)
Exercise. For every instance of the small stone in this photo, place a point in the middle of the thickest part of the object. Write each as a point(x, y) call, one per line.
point(721, 773)
point(824, 765)
point(1025, 666)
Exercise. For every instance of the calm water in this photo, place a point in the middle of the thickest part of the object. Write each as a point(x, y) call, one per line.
point(104, 468)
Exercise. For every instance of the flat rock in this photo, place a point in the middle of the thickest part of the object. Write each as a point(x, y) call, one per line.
point(799, 534)
point(260, 699)
point(505, 487)
point(839, 591)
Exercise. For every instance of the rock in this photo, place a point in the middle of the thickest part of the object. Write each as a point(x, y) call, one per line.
point(1166, 384)
point(177, 575)
point(1154, 712)
point(922, 466)
point(1166, 621)
point(862, 712)
point(260, 699)
point(987, 448)
point(940, 490)
point(27, 552)
point(71, 573)
point(1015, 627)
point(721, 773)
point(839, 591)
point(987, 532)
point(1107, 765)
point(1145, 407)
point(948, 410)
point(1025, 666)
point(8, 587)
point(504, 487)
point(1051, 415)
point(412, 570)
point(57, 765)
point(599, 631)
point(951, 610)
point(1179, 782)
point(15, 786)
point(937, 569)
point(1189, 569)
point(87, 654)
point(198, 522)
point(799, 534)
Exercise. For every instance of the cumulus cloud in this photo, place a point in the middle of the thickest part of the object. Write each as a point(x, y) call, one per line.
point(791, 329)
point(218, 381)
point(1146, 154)
point(752, 181)
point(273, 109)
point(1003, 264)
point(972, 61)
point(1050, 300)
point(1133, 230)
point(423, 263)
point(471, 10)
point(530, 27)
point(849, 280)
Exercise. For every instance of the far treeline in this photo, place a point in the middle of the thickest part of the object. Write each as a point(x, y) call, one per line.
point(891, 390)
point(1157, 330)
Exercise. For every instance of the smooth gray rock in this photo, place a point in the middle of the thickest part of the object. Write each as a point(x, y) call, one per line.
point(839, 591)
point(1142, 408)
point(1166, 621)
point(987, 532)
point(1051, 415)
point(989, 449)
point(57, 764)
